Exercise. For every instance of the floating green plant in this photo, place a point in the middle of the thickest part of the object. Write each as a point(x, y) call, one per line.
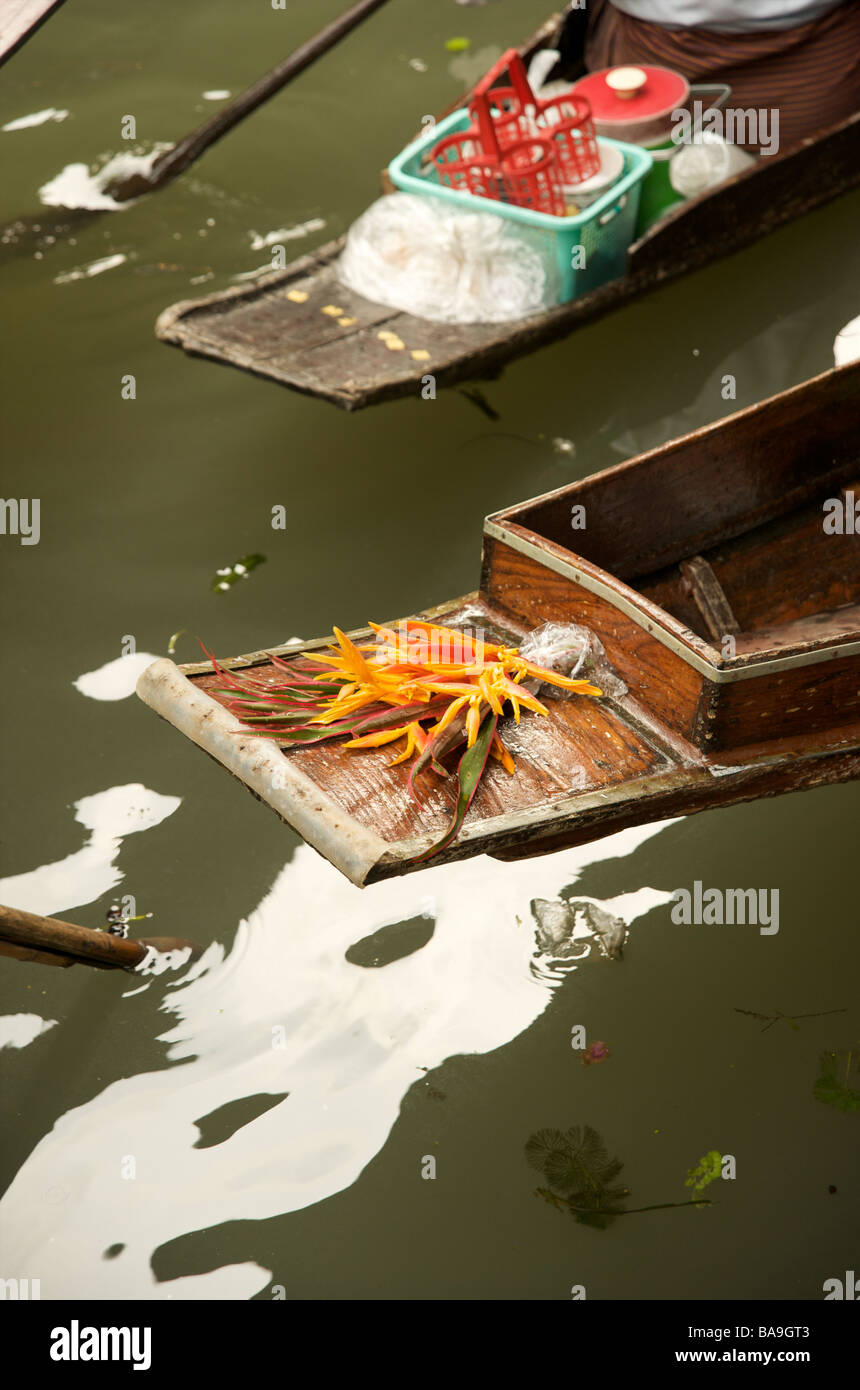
point(580, 1173)
point(231, 574)
point(833, 1087)
point(582, 1177)
point(707, 1170)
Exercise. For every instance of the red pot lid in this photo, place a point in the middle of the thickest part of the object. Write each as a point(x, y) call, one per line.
point(661, 92)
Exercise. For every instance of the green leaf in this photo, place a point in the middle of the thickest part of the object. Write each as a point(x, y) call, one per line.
point(458, 45)
point(833, 1086)
point(469, 773)
point(229, 575)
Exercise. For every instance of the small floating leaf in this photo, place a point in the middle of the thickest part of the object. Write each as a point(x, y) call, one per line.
point(171, 646)
point(707, 1170)
point(231, 574)
point(832, 1086)
point(458, 45)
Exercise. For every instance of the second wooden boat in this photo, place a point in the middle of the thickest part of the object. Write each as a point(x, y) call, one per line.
point(721, 573)
point(281, 327)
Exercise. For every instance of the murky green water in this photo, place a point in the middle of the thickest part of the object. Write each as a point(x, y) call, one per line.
point(322, 1194)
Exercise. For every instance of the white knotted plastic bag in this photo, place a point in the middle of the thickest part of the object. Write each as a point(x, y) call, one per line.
point(575, 651)
point(448, 264)
point(709, 161)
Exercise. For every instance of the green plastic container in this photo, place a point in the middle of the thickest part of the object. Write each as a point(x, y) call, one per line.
point(657, 195)
point(605, 229)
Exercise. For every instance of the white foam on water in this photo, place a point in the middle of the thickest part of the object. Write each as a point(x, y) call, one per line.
point(76, 187)
point(19, 1030)
point(284, 1011)
point(217, 94)
point(116, 680)
point(86, 272)
point(302, 229)
point(50, 113)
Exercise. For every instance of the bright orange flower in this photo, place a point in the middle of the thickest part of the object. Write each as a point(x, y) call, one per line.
point(415, 739)
point(417, 662)
point(501, 754)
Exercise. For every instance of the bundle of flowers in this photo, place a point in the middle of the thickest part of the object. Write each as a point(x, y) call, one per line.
point(433, 687)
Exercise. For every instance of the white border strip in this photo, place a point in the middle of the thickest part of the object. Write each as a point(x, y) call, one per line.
point(720, 675)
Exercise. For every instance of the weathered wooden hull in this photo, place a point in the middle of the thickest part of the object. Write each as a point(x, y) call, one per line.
point(699, 725)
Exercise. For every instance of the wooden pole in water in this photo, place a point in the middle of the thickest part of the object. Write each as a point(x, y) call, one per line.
point(35, 938)
point(177, 159)
point(49, 934)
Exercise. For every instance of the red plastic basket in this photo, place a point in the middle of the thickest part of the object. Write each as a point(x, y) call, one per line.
point(532, 176)
point(516, 113)
point(525, 172)
point(463, 163)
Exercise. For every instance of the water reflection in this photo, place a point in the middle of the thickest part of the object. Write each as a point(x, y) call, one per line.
point(570, 930)
point(285, 1014)
point(91, 870)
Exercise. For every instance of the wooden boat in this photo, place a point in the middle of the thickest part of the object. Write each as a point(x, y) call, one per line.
point(725, 606)
point(258, 328)
point(19, 20)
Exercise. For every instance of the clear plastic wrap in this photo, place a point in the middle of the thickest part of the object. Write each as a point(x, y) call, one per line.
point(447, 264)
point(573, 651)
point(710, 160)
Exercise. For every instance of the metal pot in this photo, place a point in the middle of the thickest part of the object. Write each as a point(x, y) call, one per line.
point(634, 104)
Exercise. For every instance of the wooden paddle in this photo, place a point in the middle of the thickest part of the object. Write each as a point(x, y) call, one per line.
point(18, 237)
point(50, 941)
point(19, 20)
point(170, 163)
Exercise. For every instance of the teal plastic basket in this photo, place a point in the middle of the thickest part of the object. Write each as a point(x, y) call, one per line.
point(604, 230)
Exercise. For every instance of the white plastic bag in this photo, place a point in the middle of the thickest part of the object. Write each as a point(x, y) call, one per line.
point(708, 161)
point(446, 263)
point(540, 68)
point(573, 651)
point(846, 346)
